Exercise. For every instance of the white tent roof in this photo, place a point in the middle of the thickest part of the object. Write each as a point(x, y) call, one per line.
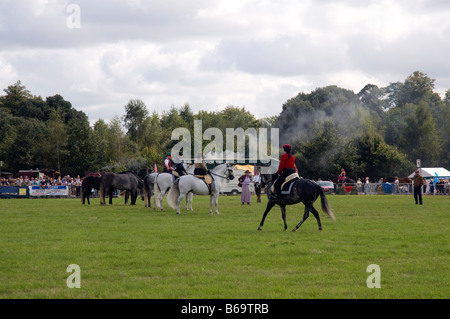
point(429, 172)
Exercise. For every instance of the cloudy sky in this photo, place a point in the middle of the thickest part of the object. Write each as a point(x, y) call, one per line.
point(252, 53)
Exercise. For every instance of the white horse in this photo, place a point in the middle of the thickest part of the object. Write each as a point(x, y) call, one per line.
point(163, 183)
point(189, 183)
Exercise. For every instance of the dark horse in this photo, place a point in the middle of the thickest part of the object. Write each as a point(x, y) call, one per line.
point(304, 191)
point(89, 183)
point(124, 181)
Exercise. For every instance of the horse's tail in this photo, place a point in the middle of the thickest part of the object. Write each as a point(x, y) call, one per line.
point(323, 199)
point(146, 190)
point(157, 192)
point(173, 195)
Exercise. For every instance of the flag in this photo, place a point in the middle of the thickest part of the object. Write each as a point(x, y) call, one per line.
point(155, 169)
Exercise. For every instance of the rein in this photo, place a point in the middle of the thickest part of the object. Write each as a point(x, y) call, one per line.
point(224, 177)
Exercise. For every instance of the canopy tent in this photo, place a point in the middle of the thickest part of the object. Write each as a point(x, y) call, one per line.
point(246, 167)
point(433, 172)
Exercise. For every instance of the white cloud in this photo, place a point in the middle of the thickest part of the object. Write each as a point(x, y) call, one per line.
point(252, 53)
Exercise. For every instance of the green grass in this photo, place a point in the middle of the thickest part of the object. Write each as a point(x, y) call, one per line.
point(133, 252)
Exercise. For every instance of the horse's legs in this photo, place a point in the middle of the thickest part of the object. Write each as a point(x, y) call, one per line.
point(134, 195)
point(127, 195)
point(210, 204)
point(305, 216)
point(161, 197)
point(111, 191)
point(190, 196)
point(283, 214)
point(316, 215)
point(146, 197)
point(179, 200)
point(268, 208)
point(216, 202)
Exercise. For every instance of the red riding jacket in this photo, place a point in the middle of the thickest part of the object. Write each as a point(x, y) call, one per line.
point(286, 162)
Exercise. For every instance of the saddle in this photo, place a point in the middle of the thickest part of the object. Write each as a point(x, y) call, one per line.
point(208, 179)
point(286, 187)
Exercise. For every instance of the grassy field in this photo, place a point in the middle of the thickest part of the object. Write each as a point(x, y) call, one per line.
point(133, 252)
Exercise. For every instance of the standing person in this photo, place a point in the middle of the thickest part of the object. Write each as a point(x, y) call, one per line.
point(167, 164)
point(342, 177)
point(431, 184)
point(78, 186)
point(257, 183)
point(367, 186)
point(396, 185)
point(200, 169)
point(179, 167)
point(425, 184)
point(359, 185)
point(418, 183)
point(286, 167)
point(245, 180)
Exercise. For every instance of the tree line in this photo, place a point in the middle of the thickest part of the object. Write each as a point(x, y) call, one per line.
point(376, 132)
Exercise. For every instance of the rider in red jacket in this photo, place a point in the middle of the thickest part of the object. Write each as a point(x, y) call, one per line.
point(286, 167)
point(167, 165)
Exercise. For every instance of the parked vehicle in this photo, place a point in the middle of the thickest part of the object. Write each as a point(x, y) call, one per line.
point(232, 188)
point(328, 187)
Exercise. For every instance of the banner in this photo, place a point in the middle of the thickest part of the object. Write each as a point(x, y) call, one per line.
point(37, 191)
point(13, 192)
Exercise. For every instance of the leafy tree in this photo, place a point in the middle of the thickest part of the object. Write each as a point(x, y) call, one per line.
point(63, 107)
point(377, 159)
point(79, 145)
point(316, 156)
point(135, 118)
point(58, 137)
point(371, 96)
point(420, 138)
point(443, 128)
point(117, 140)
point(100, 133)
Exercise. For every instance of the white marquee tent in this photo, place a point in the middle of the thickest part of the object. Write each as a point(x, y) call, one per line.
point(431, 172)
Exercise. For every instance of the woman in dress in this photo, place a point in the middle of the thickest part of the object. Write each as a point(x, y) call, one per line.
point(245, 180)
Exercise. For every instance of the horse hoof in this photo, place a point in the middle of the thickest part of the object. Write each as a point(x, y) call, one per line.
point(260, 228)
point(294, 230)
point(217, 213)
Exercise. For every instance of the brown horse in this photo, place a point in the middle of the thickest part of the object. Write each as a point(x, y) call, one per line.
point(335, 180)
point(401, 180)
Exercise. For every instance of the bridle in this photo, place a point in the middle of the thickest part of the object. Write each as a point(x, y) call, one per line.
point(228, 177)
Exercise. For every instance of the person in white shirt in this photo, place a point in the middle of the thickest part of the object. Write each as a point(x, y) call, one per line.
point(257, 183)
point(396, 185)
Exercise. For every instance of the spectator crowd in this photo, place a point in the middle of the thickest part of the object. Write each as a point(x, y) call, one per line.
point(74, 183)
